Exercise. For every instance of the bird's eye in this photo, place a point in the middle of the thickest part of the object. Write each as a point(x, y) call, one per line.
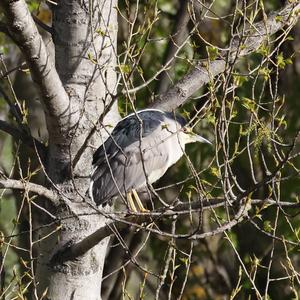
point(187, 130)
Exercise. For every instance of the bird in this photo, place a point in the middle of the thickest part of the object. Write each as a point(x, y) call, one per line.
point(138, 152)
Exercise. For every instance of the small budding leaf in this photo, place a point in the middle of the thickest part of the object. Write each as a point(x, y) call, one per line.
point(267, 226)
point(125, 68)
point(215, 171)
point(213, 53)
point(282, 62)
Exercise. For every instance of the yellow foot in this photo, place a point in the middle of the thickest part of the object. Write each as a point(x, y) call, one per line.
point(139, 202)
point(130, 201)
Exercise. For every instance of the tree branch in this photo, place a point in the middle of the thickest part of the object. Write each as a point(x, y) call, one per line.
point(116, 224)
point(17, 68)
point(31, 187)
point(204, 71)
point(23, 136)
point(180, 34)
point(70, 252)
point(3, 29)
point(25, 34)
point(42, 24)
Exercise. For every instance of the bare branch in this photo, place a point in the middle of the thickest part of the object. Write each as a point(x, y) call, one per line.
point(17, 68)
point(142, 221)
point(23, 136)
point(75, 250)
point(72, 251)
point(3, 29)
point(42, 24)
point(29, 186)
point(180, 34)
point(14, 109)
point(24, 32)
point(204, 71)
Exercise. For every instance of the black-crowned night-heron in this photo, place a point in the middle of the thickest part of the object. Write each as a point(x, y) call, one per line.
point(138, 152)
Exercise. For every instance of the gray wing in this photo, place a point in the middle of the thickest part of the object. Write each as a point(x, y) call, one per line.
point(123, 174)
point(120, 163)
point(127, 132)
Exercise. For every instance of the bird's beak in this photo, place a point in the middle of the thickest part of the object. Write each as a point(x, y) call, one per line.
point(200, 139)
point(193, 137)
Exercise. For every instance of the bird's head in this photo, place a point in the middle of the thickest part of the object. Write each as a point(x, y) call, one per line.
point(188, 136)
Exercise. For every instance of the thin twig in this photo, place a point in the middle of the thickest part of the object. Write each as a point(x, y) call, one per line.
point(31, 187)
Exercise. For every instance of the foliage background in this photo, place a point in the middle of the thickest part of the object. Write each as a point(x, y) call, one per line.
point(216, 268)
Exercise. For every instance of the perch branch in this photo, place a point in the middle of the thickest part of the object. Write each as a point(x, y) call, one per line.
point(116, 224)
point(75, 250)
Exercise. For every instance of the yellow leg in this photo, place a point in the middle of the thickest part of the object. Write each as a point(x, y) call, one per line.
point(139, 202)
point(131, 202)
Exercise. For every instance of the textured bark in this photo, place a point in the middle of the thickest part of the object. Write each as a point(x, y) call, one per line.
point(75, 279)
point(74, 92)
point(85, 61)
point(25, 34)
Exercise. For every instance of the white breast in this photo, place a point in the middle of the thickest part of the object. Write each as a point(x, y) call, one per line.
point(174, 150)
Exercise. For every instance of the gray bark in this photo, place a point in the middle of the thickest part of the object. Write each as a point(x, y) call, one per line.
point(75, 279)
point(74, 91)
point(85, 61)
point(25, 34)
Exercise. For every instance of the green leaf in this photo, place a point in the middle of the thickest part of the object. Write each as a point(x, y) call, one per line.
point(100, 32)
point(267, 226)
point(265, 72)
point(184, 260)
point(239, 80)
point(125, 68)
point(91, 58)
point(215, 171)
point(280, 61)
point(264, 50)
point(211, 118)
point(249, 104)
point(213, 53)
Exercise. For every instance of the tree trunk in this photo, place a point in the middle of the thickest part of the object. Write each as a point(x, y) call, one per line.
point(74, 279)
point(85, 35)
